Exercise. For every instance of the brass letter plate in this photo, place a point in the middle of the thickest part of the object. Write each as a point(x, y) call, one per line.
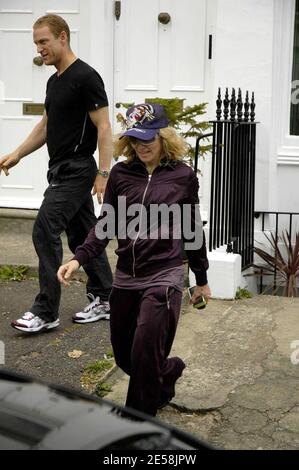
point(35, 109)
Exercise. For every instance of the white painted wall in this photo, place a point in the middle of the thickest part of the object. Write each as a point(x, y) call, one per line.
point(253, 50)
point(243, 51)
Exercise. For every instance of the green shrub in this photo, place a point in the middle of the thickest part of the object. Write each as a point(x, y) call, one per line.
point(243, 293)
point(13, 273)
point(98, 366)
point(102, 389)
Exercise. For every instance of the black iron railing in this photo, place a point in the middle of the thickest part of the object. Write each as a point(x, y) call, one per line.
point(197, 146)
point(233, 176)
point(277, 222)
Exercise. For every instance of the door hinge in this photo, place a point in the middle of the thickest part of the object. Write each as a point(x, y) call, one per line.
point(117, 9)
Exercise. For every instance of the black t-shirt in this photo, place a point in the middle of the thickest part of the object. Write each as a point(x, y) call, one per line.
point(70, 132)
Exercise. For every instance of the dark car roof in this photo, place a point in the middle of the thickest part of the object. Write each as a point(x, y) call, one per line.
point(36, 415)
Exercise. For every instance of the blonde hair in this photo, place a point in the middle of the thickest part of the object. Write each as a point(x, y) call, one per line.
point(56, 25)
point(173, 146)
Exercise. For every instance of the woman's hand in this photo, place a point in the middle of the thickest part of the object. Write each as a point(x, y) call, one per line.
point(199, 291)
point(66, 271)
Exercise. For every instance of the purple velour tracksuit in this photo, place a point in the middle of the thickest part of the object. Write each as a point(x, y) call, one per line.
point(144, 320)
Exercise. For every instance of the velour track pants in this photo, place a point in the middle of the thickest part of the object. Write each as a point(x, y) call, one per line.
point(67, 206)
point(143, 325)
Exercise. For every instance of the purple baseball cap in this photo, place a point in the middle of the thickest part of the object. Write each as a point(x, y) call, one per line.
point(144, 121)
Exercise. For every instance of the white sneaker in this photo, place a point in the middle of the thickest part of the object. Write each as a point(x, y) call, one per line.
point(96, 310)
point(31, 323)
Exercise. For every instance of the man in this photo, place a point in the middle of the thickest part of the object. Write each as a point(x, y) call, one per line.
point(75, 120)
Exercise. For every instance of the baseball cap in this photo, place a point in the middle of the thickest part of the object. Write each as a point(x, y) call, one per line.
point(144, 121)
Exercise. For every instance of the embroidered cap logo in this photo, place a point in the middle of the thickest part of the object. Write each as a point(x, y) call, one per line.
point(139, 114)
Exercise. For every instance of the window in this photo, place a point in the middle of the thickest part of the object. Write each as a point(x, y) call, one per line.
point(294, 115)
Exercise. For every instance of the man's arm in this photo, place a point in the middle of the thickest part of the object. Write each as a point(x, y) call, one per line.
point(36, 139)
point(100, 118)
point(97, 239)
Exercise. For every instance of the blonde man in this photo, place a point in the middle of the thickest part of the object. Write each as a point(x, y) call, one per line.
point(74, 122)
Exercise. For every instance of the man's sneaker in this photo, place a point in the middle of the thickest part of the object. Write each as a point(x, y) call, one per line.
point(96, 310)
point(31, 323)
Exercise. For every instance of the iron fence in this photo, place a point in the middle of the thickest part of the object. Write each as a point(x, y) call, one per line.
point(231, 218)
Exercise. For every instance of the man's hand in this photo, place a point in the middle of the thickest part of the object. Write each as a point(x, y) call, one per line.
point(66, 271)
point(199, 291)
point(99, 187)
point(35, 140)
point(8, 161)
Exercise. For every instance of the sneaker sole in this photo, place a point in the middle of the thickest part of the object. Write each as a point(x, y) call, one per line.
point(36, 330)
point(91, 320)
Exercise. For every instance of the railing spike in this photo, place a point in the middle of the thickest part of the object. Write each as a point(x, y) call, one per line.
point(246, 107)
point(239, 105)
point(233, 105)
point(252, 108)
point(218, 105)
point(226, 105)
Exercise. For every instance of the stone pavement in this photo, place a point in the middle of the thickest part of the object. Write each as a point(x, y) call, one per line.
point(240, 389)
point(60, 355)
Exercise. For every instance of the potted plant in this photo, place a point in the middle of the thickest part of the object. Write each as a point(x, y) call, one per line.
point(283, 264)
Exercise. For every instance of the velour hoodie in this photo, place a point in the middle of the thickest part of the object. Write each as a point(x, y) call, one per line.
point(172, 182)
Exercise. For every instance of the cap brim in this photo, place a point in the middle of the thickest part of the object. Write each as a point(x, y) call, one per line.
point(142, 134)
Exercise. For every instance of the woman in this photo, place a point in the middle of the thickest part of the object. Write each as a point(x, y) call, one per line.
point(146, 297)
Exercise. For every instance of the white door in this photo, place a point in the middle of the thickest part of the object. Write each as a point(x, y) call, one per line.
point(139, 58)
point(21, 81)
point(156, 58)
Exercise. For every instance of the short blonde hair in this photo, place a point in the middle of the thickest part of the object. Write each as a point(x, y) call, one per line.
point(56, 25)
point(173, 146)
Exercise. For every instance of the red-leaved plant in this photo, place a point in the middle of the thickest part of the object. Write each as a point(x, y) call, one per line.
point(284, 264)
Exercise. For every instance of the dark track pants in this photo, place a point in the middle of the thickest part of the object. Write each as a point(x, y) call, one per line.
point(67, 206)
point(143, 325)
